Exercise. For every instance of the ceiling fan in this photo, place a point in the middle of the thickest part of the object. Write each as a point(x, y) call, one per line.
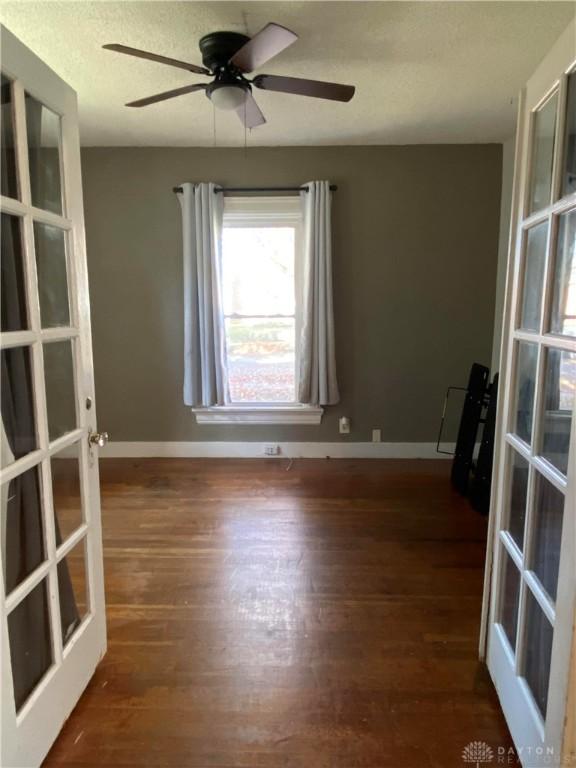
point(228, 57)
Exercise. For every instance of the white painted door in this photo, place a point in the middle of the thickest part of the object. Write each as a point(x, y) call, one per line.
point(533, 512)
point(52, 624)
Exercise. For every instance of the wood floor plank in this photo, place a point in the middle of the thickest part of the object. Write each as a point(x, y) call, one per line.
point(274, 614)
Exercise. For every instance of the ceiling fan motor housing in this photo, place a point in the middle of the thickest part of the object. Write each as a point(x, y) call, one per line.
point(217, 48)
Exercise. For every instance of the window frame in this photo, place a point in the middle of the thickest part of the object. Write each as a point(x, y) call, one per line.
point(255, 211)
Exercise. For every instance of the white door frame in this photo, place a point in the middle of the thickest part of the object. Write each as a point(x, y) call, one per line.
point(549, 75)
point(26, 736)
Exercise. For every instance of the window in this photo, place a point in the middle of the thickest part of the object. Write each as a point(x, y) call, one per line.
point(260, 244)
point(261, 268)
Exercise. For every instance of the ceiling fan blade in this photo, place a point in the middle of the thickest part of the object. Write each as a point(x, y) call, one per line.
point(167, 95)
point(250, 113)
point(303, 87)
point(155, 57)
point(266, 44)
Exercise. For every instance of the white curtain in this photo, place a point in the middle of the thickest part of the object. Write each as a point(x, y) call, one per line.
point(205, 380)
point(317, 377)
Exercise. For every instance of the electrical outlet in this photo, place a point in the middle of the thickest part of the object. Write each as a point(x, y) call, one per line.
point(376, 435)
point(271, 449)
point(344, 424)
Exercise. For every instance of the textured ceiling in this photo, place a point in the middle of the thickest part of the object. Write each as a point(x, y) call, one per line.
point(426, 72)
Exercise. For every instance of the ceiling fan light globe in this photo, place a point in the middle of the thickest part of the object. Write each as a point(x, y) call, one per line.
point(228, 97)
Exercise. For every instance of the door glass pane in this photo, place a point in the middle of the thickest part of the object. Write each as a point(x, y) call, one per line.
point(509, 598)
point(50, 247)
point(9, 182)
point(72, 586)
point(43, 129)
point(30, 642)
point(563, 318)
point(533, 281)
point(525, 383)
point(12, 288)
point(569, 175)
point(23, 546)
point(60, 396)
point(518, 494)
point(18, 417)
point(544, 127)
point(559, 389)
point(66, 492)
point(538, 651)
point(547, 535)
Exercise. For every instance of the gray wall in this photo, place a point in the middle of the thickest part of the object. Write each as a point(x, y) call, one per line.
point(415, 254)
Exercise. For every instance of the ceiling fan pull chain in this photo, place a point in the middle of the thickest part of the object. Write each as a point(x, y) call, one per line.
point(245, 132)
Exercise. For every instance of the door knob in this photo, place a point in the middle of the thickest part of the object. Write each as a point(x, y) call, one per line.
point(98, 438)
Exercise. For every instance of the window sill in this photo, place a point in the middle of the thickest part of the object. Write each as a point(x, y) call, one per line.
point(259, 414)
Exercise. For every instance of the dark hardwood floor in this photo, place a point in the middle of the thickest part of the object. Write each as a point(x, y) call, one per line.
point(322, 614)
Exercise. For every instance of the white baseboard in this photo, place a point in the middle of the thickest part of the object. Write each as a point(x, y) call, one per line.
point(224, 449)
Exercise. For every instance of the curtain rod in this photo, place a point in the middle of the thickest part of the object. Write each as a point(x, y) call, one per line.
point(333, 188)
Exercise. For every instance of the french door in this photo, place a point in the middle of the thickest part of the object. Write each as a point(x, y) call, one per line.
point(52, 626)
point(533, 578)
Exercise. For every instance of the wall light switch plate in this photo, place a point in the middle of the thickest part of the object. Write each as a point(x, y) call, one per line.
point(344, 424)
point(376, 435)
